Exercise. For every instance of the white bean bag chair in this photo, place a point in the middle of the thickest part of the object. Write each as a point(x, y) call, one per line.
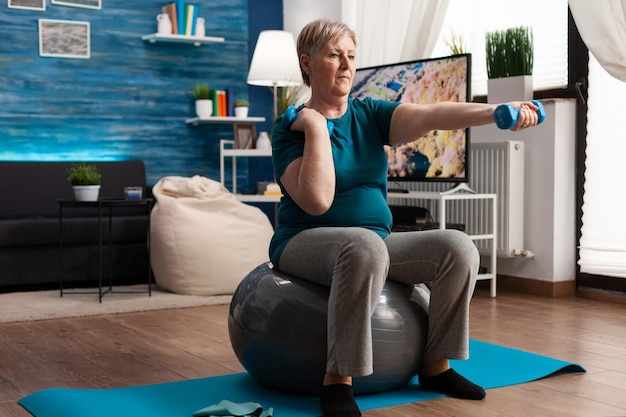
point(203, 241)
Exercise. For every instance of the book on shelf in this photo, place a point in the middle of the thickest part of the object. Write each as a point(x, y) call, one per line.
point(222, 102)
point(180, 16)
point(191, 13)
point(222, 98)
point(170, 10)
point(183, 17)
point(229, 102)
point(214, 94)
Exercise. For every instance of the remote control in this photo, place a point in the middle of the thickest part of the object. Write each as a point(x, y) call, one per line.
point(291, 114)
point(506, 116)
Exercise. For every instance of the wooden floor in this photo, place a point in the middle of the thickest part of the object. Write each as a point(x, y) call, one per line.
point(153, 347)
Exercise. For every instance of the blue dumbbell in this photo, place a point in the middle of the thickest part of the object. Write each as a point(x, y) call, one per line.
point(506, 115)
point(291, 114)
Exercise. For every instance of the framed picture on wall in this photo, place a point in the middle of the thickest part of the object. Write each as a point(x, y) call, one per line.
point(86, 4)
point(245, 135)
point(27, 4)
point(64, 38)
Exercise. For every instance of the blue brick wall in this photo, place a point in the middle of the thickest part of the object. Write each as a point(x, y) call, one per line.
point(131, 98)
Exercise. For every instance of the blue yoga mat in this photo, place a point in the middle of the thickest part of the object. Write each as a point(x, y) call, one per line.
point(490, 365)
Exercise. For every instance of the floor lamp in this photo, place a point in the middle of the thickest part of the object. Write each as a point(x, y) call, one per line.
point(275, 63)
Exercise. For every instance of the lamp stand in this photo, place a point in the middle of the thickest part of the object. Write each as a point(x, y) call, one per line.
point(275, 91)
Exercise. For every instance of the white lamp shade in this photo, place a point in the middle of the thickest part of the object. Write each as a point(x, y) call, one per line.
point(275, 60)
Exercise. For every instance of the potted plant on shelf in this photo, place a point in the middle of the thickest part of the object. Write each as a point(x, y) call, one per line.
point(85, 180)
point(240, 107)
point(204, 104)
point(510, 55)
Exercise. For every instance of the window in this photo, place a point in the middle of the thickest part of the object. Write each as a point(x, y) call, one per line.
point(548, 19)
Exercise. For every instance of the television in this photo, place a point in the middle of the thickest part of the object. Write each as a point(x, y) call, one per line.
point(439, 156)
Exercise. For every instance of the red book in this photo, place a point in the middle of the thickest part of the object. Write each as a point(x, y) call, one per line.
point(222, 103)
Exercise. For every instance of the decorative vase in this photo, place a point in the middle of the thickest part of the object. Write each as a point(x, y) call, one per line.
point(86, 192)
point(200, 28)
point(503, 90)
point(165, 24)
point(241, 112)
point(204, 108)
point(263, 141)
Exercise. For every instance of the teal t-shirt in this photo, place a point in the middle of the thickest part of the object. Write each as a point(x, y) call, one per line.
point(360, 168)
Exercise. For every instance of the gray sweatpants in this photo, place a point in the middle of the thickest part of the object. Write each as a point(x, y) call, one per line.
point(355, 262)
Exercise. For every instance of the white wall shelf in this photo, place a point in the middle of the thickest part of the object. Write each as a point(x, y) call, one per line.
point(195, 40)
point(246, 152)
point(257, 198)
point(223, 120)
point(442, 198)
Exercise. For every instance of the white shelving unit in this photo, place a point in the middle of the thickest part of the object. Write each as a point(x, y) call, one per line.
point(223, 120)
point(444, 197)
point(227, 151)
point(194, 40)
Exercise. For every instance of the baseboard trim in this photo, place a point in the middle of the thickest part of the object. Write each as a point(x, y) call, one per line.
point(601, 295)
point(537, 287)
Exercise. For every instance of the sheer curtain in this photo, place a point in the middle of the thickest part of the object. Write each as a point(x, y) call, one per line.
point(602, 26)
point(389, 30)
point(394, 30)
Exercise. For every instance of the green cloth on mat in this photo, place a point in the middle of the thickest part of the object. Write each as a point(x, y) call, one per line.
point(231, 409)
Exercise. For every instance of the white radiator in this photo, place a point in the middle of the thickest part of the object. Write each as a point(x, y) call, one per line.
point(496, 167)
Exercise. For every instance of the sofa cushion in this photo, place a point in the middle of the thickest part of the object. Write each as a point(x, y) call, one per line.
point(203, 241)
point(42, 231)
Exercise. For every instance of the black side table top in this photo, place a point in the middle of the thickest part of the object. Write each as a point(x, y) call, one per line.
point(104, 202)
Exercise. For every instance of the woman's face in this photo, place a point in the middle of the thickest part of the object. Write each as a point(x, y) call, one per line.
point(331, 70)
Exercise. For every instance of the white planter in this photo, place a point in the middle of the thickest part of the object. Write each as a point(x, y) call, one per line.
point(503, 90)
point(241, 111)
point(86, 192)
point(204, 108)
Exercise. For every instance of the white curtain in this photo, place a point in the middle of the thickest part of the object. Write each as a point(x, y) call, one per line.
point(393, 31)
point(602, 26)
point(603, 240)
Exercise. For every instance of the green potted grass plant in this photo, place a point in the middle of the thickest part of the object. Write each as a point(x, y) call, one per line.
point(510, 59)
point(85, 180)
point(204, 103)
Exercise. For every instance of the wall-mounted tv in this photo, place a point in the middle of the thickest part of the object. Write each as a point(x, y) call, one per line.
point(439, 155)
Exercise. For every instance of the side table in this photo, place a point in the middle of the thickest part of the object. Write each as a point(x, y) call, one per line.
point(101, 204)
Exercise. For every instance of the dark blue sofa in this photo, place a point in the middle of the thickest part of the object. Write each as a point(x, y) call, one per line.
point(29, 227)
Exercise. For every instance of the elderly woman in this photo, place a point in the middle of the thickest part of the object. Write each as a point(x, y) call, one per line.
point(334, 222)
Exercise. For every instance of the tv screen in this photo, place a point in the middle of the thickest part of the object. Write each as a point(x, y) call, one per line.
point(439, 155)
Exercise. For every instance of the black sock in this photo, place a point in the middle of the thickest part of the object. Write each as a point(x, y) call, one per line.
point(452, 384)
point(337, 400)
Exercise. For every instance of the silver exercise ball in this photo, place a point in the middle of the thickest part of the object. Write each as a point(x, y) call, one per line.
point(277, 327)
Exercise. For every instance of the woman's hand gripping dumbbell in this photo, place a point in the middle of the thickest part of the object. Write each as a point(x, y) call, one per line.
point(506, 115)
point(291, 114)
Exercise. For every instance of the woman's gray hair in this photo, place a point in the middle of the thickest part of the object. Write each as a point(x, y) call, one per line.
point(316, 34)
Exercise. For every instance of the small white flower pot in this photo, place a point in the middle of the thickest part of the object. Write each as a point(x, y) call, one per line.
point(204, 108)
point(86, 192)
point(241, 112)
